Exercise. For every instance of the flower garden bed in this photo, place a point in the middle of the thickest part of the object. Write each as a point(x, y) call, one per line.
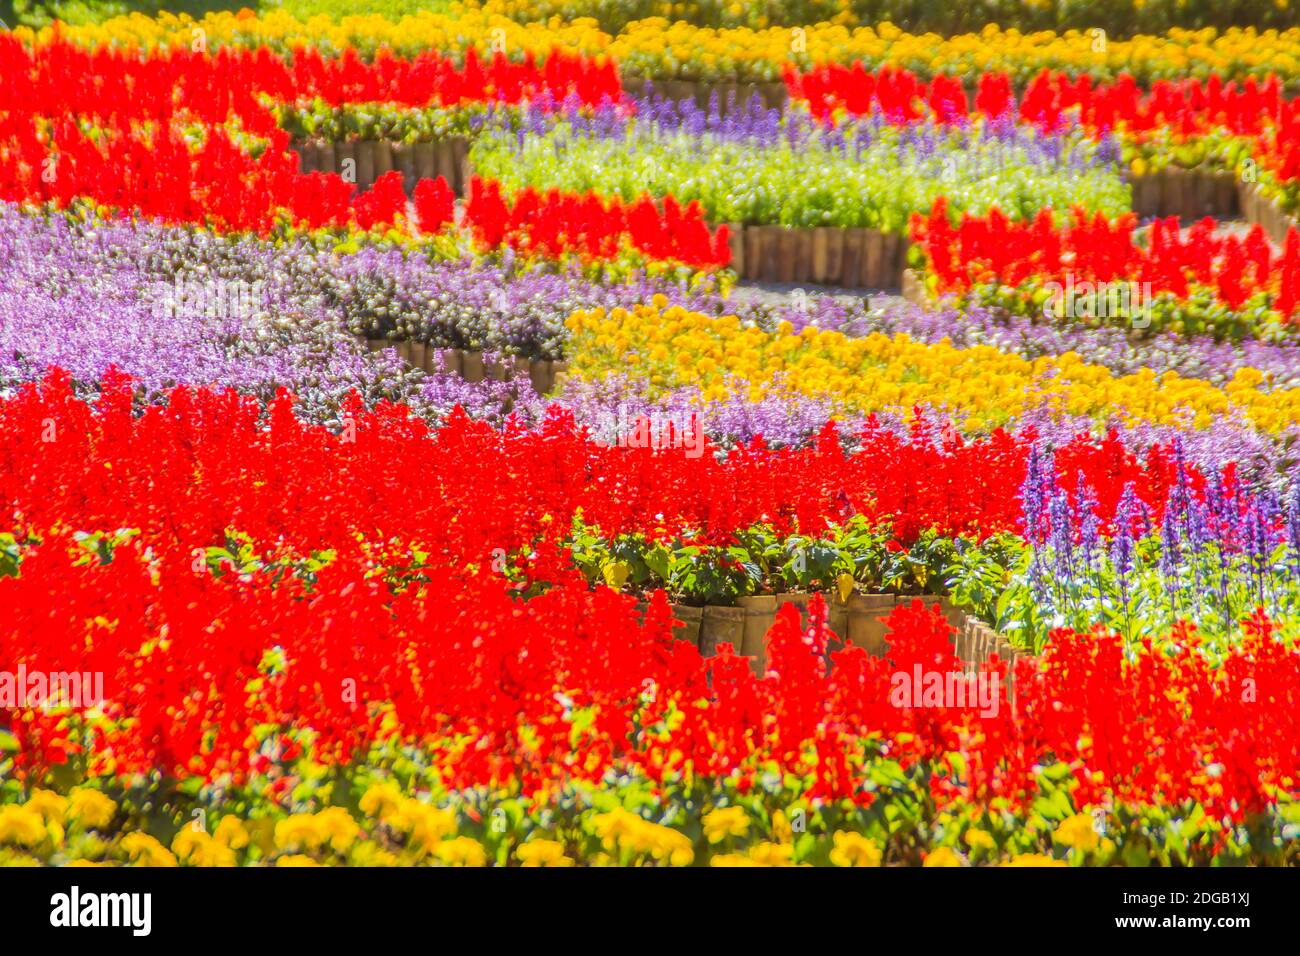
point(382, 430)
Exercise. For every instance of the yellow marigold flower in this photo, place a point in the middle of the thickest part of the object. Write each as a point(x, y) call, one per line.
point(732, 859)
point(295, 859)
point(381, 799)
point(197, 848)
point(1033, 859)
point(50, 805)
point(944, 856)
point(667, 845)
point(91, 808)
point(21, 826)
point(853, 849)
point(299, 830)
point(781, 829)
point(425, 825)
point(144, 850)
point(340, 829)
point(614, 826)
point(1078, 832)
point(543, 853)
point(231, 832)
point(461, 851)
point(772, 854)
point(371, 854)
point(979, 840)
point(729, 821)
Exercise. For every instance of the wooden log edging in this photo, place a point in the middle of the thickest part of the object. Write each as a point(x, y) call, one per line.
point(542, 374)
point(448, 158)
point(1193, 194)
point(852, 258)
point(913, 287)
point(1187, 193)
point(1260, 210)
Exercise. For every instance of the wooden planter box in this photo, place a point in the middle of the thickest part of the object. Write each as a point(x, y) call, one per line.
point(447, 158)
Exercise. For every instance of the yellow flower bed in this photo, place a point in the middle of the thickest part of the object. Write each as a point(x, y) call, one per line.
point(659, 48)
point(984, 387)
point(456, 30)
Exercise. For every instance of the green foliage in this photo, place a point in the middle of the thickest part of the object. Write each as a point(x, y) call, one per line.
point(857, 176)
point(39, 13)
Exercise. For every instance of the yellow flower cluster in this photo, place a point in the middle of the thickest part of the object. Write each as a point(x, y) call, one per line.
point(195, 846)
point(1036, 860)
point(659, 48)
point(760, 854)
point(727, 359)
point(724, 823)
point(47, 817)
point(456, 30)
point(1078, 832)
point(22, 826)
point(144, 850)
point(543, 853)
point(627, 837)
point(423, 825)
point(395, 829)
point(853, 849)
point(331, 827)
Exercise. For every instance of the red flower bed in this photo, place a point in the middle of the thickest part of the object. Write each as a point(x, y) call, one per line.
point(423, 660)
point(553, 223)
point(187, 472)
point(994, 248)
point(165, 134)
point(405, 633)
point(1186, 109)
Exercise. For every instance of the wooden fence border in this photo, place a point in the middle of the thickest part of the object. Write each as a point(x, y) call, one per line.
point(448, 158)
point(853, 258)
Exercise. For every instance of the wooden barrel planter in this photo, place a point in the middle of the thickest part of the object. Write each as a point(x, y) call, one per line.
point(860, 621)
point(448, 158)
